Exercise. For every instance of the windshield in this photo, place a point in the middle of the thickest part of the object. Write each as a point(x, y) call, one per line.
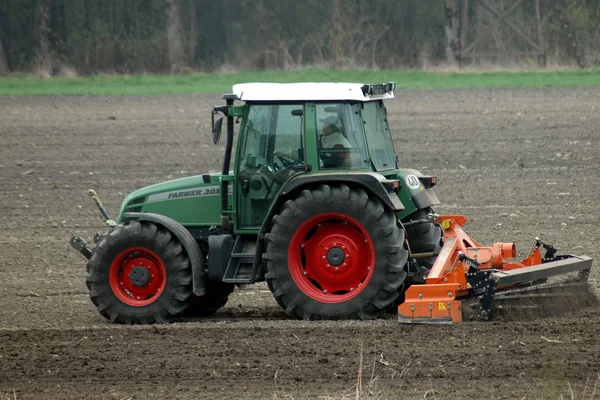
point(379, 137)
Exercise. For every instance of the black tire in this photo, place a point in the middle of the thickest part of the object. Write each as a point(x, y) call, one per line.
point(169, 275)
point(424, 238)
point(217, 294)
point(337, 209)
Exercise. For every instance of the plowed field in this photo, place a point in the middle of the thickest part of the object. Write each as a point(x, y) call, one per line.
point(518, 163)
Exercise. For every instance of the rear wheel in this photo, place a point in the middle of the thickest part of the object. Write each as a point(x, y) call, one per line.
point(139, 274)
point(335, 253)
point(217, 294)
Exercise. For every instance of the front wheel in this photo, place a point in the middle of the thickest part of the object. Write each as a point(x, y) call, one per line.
point(335, 253)
point(139, 274)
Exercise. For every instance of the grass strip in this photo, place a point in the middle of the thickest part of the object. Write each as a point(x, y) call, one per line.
point(221, 83)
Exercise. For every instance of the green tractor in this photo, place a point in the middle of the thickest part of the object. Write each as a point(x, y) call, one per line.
point(316, 205)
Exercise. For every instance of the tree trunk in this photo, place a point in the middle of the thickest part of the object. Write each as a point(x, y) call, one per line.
point(193, 32)
point(45, 60)
point(451, 30)
point(3, 64)
point(481, 34)
point(176, 52)
point(337, 52)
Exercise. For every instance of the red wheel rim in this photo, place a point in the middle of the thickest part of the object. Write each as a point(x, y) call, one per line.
point(137, 276)
point(331, 257)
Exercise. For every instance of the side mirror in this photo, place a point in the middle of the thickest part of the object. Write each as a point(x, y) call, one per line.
point(216, 130)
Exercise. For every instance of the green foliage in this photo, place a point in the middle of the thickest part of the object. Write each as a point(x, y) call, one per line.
point(216, 83)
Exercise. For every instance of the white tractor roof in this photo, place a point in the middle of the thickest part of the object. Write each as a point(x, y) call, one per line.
point(321, 91)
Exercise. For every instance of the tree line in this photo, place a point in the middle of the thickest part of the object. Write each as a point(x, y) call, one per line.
point(175, 36)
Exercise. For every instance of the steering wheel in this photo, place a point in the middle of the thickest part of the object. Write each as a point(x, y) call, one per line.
point(270, 170)
point(286, 161)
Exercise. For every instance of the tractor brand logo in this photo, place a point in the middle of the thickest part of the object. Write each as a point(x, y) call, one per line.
point(412, 181)
point(192, 192)
point(195, 192)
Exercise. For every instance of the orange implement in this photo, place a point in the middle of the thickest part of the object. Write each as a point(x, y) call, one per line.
point(465, 269)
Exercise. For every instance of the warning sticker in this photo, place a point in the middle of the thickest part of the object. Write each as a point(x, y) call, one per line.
point(442, 306)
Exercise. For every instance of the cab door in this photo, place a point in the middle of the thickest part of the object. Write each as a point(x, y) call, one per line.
point(273, 143)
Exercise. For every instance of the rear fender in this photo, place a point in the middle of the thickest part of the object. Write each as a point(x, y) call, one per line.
point(369, 181)
point(187, 241)
point(413, 194)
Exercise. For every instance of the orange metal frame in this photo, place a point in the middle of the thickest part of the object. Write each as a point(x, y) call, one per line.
point(438, 300)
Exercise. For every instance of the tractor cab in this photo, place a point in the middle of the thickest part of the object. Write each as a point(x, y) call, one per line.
point(304, 128)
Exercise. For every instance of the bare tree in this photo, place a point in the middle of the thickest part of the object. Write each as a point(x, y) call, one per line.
point(175, 44)
point(451, 30)
point(45, 61)
point(193, 31)
point(3, 64)
point(337, 51)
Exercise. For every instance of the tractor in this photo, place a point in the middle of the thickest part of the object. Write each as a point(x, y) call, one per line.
point(315, 204)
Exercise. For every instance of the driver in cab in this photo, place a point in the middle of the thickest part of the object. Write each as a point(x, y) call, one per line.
point(333, 138)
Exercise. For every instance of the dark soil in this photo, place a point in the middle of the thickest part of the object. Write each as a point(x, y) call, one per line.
point(518, 163)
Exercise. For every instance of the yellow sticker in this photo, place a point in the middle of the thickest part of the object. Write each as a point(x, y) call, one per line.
point(445, 224)
point(442, 307)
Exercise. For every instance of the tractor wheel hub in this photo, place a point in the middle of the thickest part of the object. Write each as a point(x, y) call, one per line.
point(335, 256)
point(139, 276)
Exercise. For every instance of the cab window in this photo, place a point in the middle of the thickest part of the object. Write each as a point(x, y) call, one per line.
point(271, 130)
point(379, 138)
point(341, 143)
point(273, 144)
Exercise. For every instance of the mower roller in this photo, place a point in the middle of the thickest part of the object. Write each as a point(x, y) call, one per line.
point(315, 204)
